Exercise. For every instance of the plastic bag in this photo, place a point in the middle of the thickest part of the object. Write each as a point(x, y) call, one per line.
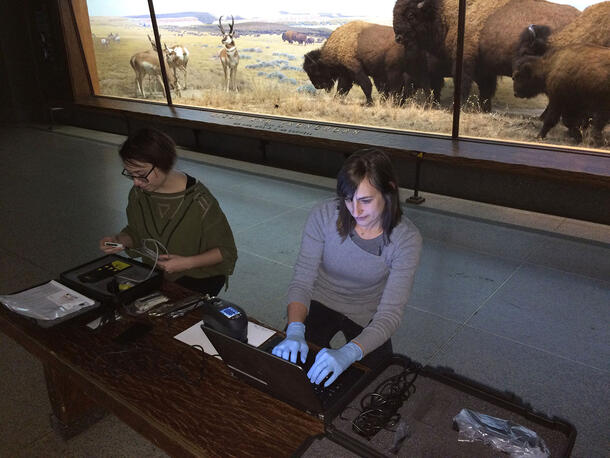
point(47, 302)
point(503, 435)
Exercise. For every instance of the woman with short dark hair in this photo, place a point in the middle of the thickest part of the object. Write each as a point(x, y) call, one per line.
point(175, 213)
point(354, 271)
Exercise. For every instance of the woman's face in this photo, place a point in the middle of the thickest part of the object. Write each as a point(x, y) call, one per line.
point(145, 175)
point(366, 206)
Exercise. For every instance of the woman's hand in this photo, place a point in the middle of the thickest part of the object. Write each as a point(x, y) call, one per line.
point(333, 362)
point(293, 343)
point(173, 263)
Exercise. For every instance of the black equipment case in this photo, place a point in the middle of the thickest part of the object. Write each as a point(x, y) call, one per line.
point(108, 290)
point(437, 395)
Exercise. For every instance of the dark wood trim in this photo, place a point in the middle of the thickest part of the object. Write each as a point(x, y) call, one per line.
point(79, 74)
point(591, 167)
point(83, 29)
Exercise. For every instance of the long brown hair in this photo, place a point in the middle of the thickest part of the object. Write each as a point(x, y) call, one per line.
point(374, 164)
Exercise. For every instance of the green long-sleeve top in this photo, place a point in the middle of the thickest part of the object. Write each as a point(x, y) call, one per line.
point(187, 223)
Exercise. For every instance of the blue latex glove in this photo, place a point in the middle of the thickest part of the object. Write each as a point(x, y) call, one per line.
point(293, 343)
point(335, 361)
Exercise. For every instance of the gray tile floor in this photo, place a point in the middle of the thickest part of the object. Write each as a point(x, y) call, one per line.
point(516, 300)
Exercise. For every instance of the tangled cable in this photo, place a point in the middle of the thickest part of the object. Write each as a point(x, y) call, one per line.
point(139, 360)
point(379, 409)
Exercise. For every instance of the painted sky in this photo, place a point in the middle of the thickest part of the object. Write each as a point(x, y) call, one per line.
point(249, 8)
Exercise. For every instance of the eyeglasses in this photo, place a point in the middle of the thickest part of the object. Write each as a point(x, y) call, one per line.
point(143, 178)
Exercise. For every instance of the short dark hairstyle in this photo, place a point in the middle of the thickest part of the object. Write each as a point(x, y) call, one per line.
point(152, 146)
point(374, 164)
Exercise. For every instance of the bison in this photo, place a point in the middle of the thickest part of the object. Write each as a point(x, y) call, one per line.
point(431, 25)
point(357, 50)
point(576, 79)
point(499, 38)
point(592, 26)
point(290, 36)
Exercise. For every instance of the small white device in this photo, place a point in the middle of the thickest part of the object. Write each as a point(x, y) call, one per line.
point(146, 303)
point(113, 244)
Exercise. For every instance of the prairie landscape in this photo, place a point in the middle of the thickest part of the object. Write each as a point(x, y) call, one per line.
point(271, 81)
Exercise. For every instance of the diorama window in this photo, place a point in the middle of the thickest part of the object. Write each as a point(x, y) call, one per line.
point(124, 47)
point(387, 65)
point(558, 55)
point(335, 62)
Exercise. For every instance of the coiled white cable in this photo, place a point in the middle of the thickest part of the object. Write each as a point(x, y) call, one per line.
point(147, 252)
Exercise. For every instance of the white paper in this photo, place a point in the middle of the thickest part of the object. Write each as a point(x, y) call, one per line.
point(195, 336)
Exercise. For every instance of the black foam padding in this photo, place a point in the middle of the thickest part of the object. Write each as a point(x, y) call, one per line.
point(429, 414)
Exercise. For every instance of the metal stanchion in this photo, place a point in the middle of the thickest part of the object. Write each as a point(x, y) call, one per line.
point(416, 198)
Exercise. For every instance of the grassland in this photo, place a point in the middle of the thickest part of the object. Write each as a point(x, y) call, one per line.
point(271, 81)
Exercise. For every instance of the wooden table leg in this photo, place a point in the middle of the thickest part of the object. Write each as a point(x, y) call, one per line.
point(73, 411)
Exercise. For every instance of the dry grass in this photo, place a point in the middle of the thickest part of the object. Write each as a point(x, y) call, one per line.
point(513, 119)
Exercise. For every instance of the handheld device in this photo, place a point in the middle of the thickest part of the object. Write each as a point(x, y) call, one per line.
point(113, 244)
point(226, 317)
point(103, 272)
point(144, 304)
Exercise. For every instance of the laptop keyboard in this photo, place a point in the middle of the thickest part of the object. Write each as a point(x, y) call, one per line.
point(325, 394)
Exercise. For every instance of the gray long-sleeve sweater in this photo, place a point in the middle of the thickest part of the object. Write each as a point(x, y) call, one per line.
point(370, 290)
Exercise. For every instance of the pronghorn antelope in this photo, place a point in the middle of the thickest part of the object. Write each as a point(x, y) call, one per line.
point(105, 42)
point(147, 63)
point(177, 57)
point(229, 57)
point(113, 37)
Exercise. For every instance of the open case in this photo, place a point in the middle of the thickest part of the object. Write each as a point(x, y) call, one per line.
point(109, 281)
point(427, 417)
point(112, 279)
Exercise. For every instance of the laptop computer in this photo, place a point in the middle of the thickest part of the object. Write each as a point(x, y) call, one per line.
point(286, 381)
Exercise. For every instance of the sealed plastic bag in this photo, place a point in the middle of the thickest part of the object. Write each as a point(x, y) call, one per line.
point(504, 435)
point(47, 302)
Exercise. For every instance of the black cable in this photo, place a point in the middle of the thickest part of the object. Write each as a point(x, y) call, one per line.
point(379, 409)
point(140, 359)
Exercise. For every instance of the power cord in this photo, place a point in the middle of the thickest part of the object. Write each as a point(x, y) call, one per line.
point(379, 409)
point(138, 359)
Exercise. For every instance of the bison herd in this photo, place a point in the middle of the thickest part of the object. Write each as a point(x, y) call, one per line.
point(546, 48)
point(292, 36)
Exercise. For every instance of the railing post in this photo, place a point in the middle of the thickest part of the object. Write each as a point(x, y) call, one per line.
point(416, 198)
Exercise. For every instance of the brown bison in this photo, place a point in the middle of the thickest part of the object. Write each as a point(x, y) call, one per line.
point(431, 25)
point(357, 50)
point(592, 26)
point(576, 79)
point(499, 38)
point(291, 36)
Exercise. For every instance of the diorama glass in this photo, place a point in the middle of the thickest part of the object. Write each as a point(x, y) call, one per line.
point(381, 64)
point(540, 72)
point(124, 48)
point(250, 57)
